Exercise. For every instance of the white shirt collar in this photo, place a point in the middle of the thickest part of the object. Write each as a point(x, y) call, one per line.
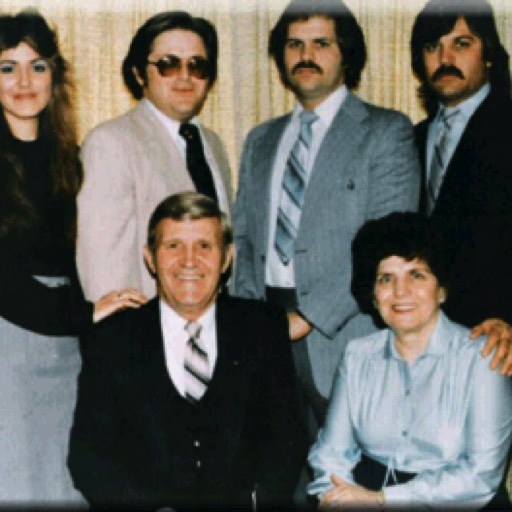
point(171, 125)
point(329, 107)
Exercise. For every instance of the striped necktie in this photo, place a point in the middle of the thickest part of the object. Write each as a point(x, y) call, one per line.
point(440, 157)
point(197, 371)
point(293, 190)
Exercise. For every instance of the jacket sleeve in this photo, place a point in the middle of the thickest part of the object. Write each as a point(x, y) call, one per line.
point(30, 304)
point(107, 238)
point(94, 451)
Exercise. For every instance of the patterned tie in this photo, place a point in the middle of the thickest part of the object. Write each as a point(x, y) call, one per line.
point(440, 157)
point(293, 190)
point(197, 165)
point(197, 371)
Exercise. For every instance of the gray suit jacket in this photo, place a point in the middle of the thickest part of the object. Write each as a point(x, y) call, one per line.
point(366, 167)
point(130, 165)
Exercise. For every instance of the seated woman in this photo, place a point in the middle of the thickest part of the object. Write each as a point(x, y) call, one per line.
point(416, 417)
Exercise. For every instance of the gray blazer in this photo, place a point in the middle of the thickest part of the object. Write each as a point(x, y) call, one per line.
point(366, 167)
point(130, 165)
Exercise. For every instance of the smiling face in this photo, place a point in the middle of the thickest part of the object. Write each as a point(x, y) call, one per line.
point(25, 89)
point(180, 96)
point(188, 261)
point(408, 296)
point(312, 59)
point(454, 65)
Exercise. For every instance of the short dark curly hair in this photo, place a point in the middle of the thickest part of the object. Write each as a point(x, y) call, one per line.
point(348, 33)
point(142, 44)
point(408, 235)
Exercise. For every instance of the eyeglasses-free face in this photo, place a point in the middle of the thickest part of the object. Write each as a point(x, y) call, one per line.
point(25, 89)
point(170, 65)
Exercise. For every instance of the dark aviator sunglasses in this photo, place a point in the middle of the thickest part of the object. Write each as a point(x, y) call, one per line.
point(170, 65)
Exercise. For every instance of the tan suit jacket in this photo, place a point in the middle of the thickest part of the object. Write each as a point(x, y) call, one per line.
point(130, 164)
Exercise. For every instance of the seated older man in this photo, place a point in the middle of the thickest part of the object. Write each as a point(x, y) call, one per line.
point(190, 400)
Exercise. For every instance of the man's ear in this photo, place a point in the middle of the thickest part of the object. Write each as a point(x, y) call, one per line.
point(137, 76)
point(148, 258)
point(228, 257)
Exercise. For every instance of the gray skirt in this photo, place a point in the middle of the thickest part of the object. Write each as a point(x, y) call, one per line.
point(38, 378)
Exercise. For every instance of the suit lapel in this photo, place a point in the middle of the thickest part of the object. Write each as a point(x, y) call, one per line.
point(339, 147)
point(458, 179)
point(265, 152)
point(161, 147)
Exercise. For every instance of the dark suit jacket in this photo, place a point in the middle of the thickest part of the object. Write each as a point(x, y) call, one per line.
point(474, 214)
point(137, 443)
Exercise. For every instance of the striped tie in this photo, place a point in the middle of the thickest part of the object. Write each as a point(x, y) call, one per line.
point(293, 190)
point(197, 371)
point(440, 157)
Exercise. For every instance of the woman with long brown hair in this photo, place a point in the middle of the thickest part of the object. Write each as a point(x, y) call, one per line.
point(42, 308)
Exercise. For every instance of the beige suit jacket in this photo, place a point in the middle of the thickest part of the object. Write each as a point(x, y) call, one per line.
point(130, 165)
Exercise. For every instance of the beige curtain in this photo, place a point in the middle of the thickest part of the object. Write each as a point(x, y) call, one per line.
point(95, 35)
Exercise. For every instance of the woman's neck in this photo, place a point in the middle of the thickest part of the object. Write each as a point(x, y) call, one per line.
point(23, 129)
point(411, 345)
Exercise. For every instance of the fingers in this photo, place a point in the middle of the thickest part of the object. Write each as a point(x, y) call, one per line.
point(130, 297)
point(117, 301)
point(338, 481)
point(499, 339)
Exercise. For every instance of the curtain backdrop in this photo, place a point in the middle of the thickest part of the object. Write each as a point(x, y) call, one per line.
point(95, 35)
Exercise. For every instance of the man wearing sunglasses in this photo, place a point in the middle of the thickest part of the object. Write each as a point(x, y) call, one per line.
point(156, 149)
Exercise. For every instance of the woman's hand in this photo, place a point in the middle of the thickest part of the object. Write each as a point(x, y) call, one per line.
point(116, 301)
point(345, 495)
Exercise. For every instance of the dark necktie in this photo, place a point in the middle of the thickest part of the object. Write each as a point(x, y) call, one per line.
point(197, 370)
point(440, 157)
point(293, 190)
point(196, 162)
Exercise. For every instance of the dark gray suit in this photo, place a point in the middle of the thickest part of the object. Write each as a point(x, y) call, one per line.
point(366, 167)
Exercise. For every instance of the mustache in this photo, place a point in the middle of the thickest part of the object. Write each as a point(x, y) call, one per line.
point(307, 64)
point(447, 71)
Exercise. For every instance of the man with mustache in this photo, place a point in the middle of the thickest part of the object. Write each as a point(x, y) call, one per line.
point(307, 185)
point(465, 151)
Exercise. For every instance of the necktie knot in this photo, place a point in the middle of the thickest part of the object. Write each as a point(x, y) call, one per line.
point(448, 117)
point(189, 131)
point(308, 117)
point(193, 329)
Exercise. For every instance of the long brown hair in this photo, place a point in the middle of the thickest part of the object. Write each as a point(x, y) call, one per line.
point(57, 124)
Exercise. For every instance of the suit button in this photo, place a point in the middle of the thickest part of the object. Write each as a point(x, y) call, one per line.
point(197, 444)
point(351, 185)
point(198, 463)
point(263, 258)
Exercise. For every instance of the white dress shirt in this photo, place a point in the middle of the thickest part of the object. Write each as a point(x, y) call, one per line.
point(176, 338)
point(173, 129)
point(278, 274)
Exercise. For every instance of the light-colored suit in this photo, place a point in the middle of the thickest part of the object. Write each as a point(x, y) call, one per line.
point(366, 167)
point(130, 165)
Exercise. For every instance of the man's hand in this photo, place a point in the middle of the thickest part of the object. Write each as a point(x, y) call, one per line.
point(299, 326)
point(347, 495)
point(499, 337)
